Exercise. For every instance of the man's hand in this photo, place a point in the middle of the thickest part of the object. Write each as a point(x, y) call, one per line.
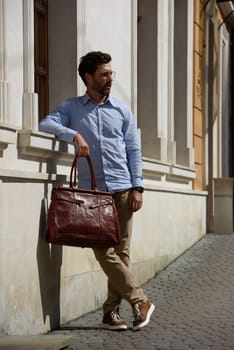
point(135, 200)
point(81, 144)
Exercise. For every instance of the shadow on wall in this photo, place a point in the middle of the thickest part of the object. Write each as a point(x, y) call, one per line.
point(49, 261)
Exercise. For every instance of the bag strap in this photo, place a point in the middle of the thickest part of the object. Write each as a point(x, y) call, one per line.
point(73, 173)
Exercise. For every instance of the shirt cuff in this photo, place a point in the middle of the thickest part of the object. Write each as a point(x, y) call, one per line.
point(69, 136)
point(138, 182)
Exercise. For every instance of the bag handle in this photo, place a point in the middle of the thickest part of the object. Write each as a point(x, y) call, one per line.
point(73, 173)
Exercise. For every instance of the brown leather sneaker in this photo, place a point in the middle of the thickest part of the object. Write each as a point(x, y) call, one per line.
point(113, 321)
point(142, 313)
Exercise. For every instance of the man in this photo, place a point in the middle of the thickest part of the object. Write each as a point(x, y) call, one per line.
point(103, 127)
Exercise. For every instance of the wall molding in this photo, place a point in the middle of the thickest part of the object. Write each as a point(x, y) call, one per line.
point(44, 146)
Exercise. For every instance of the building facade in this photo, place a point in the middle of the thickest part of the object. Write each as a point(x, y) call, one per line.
point(162, 51)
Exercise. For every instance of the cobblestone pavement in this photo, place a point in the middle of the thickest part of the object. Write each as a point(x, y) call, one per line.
point(194, 299)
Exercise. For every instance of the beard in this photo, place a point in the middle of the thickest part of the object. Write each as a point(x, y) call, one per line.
point(103, 91)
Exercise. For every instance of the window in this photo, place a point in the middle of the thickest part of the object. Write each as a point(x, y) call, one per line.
point(147, 77)
point(41, 54)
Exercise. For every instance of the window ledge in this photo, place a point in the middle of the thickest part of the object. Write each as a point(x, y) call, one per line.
point(154, 169)
point(150, 165)
point(8, 135)
point(182, 171)
point(43, 145)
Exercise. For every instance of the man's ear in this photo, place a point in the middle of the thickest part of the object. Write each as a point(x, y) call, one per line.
point(88, 77)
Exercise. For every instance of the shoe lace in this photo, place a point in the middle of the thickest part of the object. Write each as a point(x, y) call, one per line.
point(115, 314)
point(136, 311)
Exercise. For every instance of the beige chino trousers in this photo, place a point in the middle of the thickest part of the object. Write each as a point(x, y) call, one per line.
point(115, 261)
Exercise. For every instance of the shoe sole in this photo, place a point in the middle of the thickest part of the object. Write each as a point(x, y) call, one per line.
point(143, 324)
point(114, 328)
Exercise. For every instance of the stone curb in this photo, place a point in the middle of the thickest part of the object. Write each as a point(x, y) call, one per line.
point(35, 342)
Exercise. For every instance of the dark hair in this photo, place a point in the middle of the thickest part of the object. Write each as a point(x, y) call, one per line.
point(90, 62)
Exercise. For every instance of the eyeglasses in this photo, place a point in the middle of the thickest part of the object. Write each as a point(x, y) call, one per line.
point(108, 75)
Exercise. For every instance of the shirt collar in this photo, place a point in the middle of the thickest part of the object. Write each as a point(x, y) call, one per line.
point(85, 99)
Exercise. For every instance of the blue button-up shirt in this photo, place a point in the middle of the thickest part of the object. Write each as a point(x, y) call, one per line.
point(111, 133)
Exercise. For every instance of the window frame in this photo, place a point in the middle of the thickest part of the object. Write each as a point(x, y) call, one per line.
point(41, 64)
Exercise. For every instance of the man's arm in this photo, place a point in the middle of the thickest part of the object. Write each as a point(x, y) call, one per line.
point(55, 124)
point(135, 200)
point(134, 157)
point(81, 144)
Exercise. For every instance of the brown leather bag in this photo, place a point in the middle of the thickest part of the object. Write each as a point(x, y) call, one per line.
point(80, 217)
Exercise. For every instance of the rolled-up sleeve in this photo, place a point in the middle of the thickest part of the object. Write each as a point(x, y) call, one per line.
point(56, 123)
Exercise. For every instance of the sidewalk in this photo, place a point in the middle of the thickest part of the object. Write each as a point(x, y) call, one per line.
point(194, 299)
